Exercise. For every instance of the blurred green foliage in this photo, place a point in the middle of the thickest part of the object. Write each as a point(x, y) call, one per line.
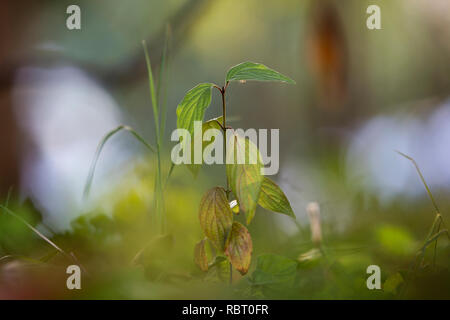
point(124, 259)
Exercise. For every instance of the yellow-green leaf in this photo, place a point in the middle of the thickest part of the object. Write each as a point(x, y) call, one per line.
point(210, 124)
point(219, 270)
point(216, 217)
point(273, 198)
point(239, 248)
point(192, 107)
point(255, 71)
point(200, 257)
point(244, 177)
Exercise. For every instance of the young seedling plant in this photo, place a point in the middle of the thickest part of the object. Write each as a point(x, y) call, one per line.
point(245, 184)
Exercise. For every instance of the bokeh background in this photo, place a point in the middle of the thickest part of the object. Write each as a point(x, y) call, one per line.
point(360, 95)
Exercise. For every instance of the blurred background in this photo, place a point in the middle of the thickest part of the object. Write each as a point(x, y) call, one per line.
point(360, 95)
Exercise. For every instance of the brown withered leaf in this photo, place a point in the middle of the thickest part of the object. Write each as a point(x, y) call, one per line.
point(239, 248)
point(216, 217)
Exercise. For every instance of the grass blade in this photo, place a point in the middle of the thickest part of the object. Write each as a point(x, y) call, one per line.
point(438, 220)
point(159, 197)
point(430, 195)
point(153, 95)
point(102, 143)
point(163, 83)
point(33, 229)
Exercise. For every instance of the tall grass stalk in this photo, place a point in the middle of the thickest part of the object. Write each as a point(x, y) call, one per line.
point(434, 233)
point(160, 221)
point(158, 97)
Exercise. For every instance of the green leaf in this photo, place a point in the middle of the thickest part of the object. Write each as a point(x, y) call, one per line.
point(273, 198)
point(210, 124)
point(215, 123)
point(239, 248)
point(219, 269)
point(244, 177)
point(192, 107)
point(255, 71)
point(200, 257)
point(274, 269)
point(216, 217)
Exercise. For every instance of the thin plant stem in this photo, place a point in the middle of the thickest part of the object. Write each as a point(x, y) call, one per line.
point(224, 129)
point(433, 238)
point(224, 125)
point(224, 113)
point(435, 245)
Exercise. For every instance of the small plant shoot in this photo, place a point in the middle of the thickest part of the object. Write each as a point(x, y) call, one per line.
point(245, 181)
